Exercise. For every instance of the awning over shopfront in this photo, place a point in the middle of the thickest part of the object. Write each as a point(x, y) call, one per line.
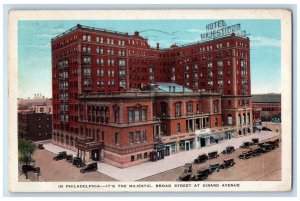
point(203, 132)
point(217, 136)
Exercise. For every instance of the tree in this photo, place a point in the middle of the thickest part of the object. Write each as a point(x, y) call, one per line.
point(26, 149)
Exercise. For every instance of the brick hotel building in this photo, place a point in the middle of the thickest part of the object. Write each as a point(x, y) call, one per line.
point(120, 101)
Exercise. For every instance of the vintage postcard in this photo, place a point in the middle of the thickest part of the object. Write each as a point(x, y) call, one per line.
point(150, 100)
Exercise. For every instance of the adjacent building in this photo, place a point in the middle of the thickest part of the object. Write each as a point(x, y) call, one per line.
point(118, 100)
point(35, 118)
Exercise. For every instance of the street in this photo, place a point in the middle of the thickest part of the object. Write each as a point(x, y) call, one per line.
point(264, 167)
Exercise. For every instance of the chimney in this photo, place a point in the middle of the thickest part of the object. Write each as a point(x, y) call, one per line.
point(136, 33)
point(157, 45)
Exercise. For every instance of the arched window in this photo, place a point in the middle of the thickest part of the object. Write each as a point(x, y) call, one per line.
point(178, 109)
point(216, 106)
point(163, 108)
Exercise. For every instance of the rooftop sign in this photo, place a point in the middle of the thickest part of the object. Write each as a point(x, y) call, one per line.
point(220, 29)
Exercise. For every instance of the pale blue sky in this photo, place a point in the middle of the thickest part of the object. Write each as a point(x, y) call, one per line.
point(34, 51)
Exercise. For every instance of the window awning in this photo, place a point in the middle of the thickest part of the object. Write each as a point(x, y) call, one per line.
point(217, 136)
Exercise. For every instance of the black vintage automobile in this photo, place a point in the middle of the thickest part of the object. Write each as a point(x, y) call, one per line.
point(227, 163)
point(201, 159)
point(228, 150)
point(246, 145)
point(78, 162)
point(202, 174)
point(30, 168)
point(61, 155)
point(246, 155)
point(266, 148)
point(214, 168)
point(69, 158)
point(40, 146)
point(213, 155)
point(256, 151)
point(186, 176)
point(274, 143)
point(89, 168)
point(255, 140)
point(188, 167)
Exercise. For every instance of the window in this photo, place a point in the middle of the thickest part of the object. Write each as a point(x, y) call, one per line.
point(144, 136)
point(138, 136)
point(136, 115)
point(216, 106)
point(116, 114)
point(163, 107)
point(189, 108)
point(178, 109)
point(229, 119)
point(139, 157)
point(130, 116)
point(132, 158)
point(145, 155)
point(144, 113)
point(84, 37)
point(89, 38)
point(131, 137)
point(117, 138)
point(178, 127)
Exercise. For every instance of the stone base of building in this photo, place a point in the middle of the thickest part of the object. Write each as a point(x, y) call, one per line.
point(124, 161)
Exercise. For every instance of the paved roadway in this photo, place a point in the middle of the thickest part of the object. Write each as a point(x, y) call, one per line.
point(265, 167)
point(63, 171)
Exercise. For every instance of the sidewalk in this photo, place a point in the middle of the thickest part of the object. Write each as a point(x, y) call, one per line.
point(170, 162)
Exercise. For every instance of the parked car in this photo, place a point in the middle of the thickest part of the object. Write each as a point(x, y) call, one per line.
point(246, 155)
point(188, 167)
point(202, 174)
point(228, 150)
point(227, 163)
point(214, 168)
point(40, 146)
point(185, 176)
point(256, 152)
point(266, 148)
point(78, 162)
point(255, 140)
point(89, 168)
point(201, 159)
point(213, 155)
point(30, 168)
point(69, 158)
point(274, 143)
point(246, 145)
point(61, 155)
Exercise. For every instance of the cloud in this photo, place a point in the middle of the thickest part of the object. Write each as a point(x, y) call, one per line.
point(196, 31)
point(159, 31)
point(258, 41)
